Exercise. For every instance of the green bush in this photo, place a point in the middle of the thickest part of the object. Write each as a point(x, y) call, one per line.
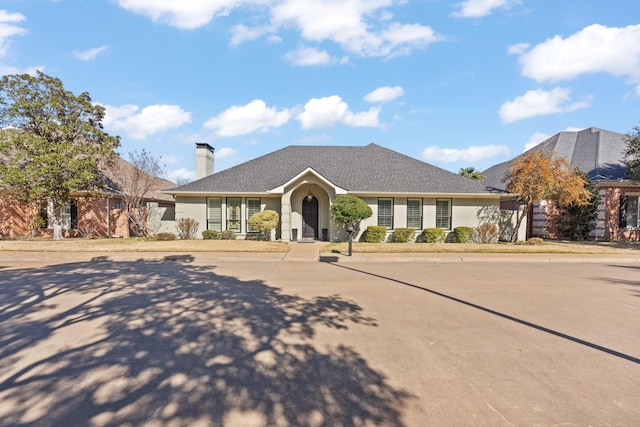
point(264, 222)
point(375, 234)
point(403, 235)
point(433, 235)
point(228, 235)
point(463, 234)
point(210, 235)
point(165, 236)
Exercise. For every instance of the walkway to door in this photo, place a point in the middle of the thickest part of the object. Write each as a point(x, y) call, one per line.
point(304, 251)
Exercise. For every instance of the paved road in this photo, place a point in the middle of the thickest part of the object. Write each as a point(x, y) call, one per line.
point(182, 340)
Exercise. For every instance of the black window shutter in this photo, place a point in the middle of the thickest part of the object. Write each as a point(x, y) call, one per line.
point(74, 214)
point(623, 212)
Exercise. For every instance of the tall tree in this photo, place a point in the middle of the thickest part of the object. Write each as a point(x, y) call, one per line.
point(632, 155)
point(58, 144)
point(536, 176)
point(472, 173)
point(576, 221)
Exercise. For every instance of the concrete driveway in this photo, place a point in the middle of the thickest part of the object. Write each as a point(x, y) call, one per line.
point(188, 340)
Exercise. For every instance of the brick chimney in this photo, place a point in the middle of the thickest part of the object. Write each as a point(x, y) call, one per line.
point(204, 160)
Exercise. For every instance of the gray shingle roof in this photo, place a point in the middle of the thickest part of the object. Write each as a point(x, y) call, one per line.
point(369, 168)
point(597, 152)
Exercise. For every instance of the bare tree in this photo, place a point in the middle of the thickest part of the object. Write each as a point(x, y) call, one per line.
point(139, 181)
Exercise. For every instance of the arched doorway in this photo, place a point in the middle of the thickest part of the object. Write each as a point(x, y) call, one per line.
point(310, 218)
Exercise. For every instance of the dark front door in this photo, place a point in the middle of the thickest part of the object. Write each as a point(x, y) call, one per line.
point(310, 218)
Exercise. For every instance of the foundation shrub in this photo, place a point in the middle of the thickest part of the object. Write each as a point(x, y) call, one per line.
point(211, 235)
point(403, 235)
point(375, 234)
point(463, 234)
point(228, 235)
point(487, 233)
point(187, 228)
point(433, 235)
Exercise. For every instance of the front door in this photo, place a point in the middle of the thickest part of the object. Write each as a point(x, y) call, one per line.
point(310, 218)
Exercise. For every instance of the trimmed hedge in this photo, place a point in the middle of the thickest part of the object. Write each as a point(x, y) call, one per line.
point(463, 234)
point(433, 235)
point(375, 234)
point(403, 235)
point(211, 235)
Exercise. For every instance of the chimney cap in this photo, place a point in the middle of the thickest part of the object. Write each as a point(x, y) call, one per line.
point(204, 145)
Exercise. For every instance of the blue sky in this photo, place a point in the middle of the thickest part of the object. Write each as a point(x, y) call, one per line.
point(453, 83)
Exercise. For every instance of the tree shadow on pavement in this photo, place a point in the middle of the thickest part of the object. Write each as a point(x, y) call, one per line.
point(163, 342)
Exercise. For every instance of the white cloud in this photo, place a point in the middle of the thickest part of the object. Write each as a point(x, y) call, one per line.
point(594, 49)
point(225, 152)
point(181, 175)
point(8, 28)
point(86, 55)
point(245, 119)
point(384, 94)
point(181, 14)
point(7, 69)
point(538, 103)
point(308, 56)
point(332, 111)
point(362, 27)
point(480, 8)
point(150, 120)
point(242, 33)
point(470, 154)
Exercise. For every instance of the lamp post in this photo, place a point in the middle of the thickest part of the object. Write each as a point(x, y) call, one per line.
point(350, 231)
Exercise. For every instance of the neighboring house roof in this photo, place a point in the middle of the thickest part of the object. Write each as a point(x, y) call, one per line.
point(364, 169)
point(597, 152)
point(116, 175)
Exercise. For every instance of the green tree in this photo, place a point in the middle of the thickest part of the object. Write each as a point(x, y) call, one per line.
point(576, 221)
point(57, 144)
point(350, 210)
point(472, 173)
point(632, 155)
point(536, 176)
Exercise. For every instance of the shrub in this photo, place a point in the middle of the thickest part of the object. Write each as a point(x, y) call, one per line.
point(535, 241)
point(187, 228)
point(403, 235)
point(463, 234)
point(228, 235)
point(210, 235)
point(347, 209)
point(488, 233)
point(375, 234)
point(165, 236)
point(433, 235)
point(264, 222)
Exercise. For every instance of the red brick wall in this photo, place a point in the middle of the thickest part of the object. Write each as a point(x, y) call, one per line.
point(612, 215)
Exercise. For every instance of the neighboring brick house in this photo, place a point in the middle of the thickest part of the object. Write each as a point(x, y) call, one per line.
point(96, 213)
point(600, 154)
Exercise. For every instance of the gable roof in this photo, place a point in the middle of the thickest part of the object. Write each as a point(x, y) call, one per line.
point(364, 169)
point(597, 152)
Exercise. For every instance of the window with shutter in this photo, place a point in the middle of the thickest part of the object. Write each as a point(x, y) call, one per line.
point(414, 213)
point(214, 213)
point(443, 213)
point(385, 212)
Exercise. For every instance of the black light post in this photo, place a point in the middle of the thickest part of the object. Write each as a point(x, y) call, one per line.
point(350, 231)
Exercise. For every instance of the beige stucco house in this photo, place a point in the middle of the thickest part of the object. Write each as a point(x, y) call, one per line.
point(301, 182)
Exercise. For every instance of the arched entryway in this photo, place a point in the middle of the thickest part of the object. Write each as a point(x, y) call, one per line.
point(310, 218)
